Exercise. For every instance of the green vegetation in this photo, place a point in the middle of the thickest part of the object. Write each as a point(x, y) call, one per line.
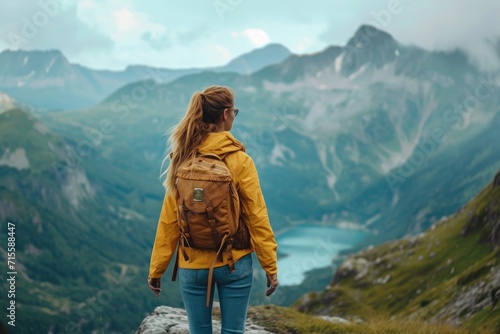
point(80, 266)
point(421, 278)
point(282, 320)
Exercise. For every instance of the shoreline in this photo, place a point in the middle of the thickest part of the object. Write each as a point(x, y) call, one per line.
point(343, 225)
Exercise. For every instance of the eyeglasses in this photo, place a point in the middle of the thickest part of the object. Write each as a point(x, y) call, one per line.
point(236, 111)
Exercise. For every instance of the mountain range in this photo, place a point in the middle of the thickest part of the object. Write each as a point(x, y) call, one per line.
point(373, 135)
point(27, 75)
point(359, 129)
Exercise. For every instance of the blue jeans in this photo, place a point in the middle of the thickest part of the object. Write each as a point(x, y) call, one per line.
point(234, 294)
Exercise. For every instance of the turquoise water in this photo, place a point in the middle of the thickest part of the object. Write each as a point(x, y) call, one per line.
point(311, 246)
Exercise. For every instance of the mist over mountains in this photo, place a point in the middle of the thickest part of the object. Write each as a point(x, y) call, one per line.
point(374, 135)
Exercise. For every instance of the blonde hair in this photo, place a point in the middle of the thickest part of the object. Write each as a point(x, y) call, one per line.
point(203, 112)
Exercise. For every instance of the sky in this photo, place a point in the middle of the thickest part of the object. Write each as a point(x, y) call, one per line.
point(111, 34)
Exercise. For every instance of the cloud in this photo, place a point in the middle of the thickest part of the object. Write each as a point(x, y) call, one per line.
point(258, 37)
point(126, 21)
point(469, 26)
point(48, 24)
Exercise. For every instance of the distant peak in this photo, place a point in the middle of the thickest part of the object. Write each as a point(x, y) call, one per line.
point(369, 45)
point(271, 48)
point(275, 46)
point(368, 29)
point(257, 59)
point(367, 32)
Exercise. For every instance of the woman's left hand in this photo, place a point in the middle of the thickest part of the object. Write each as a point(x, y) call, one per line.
point(155, 285)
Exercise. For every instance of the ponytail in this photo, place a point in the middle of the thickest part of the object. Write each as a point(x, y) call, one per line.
point(203, 111)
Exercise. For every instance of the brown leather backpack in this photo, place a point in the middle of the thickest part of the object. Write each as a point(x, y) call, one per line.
point(208, 210)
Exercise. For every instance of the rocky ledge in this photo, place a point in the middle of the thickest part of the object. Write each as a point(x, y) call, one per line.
point(170, 320)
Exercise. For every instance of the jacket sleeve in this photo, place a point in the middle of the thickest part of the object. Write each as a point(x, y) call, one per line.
point(167, 237)
point(258, 221)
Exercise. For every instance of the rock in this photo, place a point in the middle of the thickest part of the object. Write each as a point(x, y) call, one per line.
point(335, 320)
point(357, 266)
point(165, 319)
point(474, 223)
point(170, 320)
point(496, 180)
point(465, 303)
point(495, 235)
point(382, 280)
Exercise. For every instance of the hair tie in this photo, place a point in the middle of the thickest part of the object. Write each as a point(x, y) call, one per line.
point(203, 100)
point(206, 116)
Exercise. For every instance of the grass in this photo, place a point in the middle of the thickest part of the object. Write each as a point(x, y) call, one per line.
point(282, 320)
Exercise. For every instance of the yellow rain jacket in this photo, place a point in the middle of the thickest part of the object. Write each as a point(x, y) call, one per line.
point(246, 180)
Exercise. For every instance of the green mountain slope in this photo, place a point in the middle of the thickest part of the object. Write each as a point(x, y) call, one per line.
point(282, 320)
point(450, 273)
point(82, 237)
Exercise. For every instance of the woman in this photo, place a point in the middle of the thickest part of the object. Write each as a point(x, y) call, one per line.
point(205, 128)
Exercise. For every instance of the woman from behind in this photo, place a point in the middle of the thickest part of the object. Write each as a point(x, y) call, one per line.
point(204, 129)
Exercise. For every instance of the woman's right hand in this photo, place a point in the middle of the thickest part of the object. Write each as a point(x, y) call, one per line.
point(155, 285)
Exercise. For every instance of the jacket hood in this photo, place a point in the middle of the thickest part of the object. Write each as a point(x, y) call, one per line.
point(221, 143)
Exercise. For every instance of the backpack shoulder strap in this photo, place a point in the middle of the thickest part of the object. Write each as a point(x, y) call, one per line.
point(176, 264)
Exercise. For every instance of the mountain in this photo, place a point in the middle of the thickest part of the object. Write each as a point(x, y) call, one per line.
point(368, 46)
point(450, 273)
point(257, 59)
point(367, 147)
point(46, 79)
point(82, 230)
point(374, 116)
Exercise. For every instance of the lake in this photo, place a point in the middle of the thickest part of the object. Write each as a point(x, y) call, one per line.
point(311, 246)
